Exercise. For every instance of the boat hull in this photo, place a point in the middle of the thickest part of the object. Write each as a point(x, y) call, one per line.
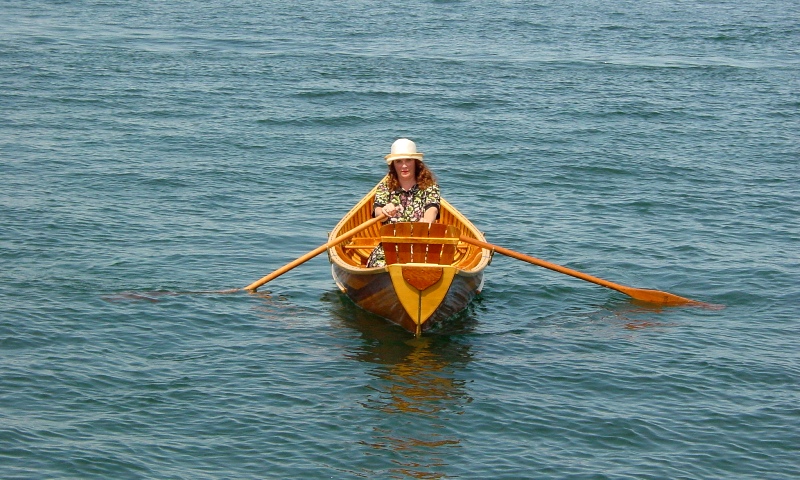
point(420, 286)
point(375, 292)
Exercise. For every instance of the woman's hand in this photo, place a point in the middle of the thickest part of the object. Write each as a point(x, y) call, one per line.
point(390, 210)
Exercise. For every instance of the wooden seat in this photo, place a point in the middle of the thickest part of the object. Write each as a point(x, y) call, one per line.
point(358, 250)
point(419, 242)
point(361, 243)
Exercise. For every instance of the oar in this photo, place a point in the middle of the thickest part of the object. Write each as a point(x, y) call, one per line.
point(644, 295)
point(308, 256)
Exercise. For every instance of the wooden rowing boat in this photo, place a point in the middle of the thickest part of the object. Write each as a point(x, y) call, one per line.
point(430, 274)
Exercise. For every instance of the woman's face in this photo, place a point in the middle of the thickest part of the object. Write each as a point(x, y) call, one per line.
point(406, 168)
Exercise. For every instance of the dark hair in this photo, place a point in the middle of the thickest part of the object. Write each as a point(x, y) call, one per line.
point(425, 178)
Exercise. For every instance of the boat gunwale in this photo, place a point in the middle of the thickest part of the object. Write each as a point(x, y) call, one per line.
point(464, 226)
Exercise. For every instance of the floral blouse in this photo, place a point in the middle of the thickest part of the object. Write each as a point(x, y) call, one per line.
point(412, 203)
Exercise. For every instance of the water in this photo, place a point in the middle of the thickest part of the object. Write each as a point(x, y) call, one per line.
point(153, 153)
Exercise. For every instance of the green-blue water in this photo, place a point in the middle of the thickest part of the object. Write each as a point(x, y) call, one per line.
point(149, 150)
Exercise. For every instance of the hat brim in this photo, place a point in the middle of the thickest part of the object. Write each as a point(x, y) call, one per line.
point(397, 156)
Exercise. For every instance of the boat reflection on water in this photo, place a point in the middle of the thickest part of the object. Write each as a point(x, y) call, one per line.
point(417, 388)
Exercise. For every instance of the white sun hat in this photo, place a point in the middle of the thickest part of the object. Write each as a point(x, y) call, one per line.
point(403, 148)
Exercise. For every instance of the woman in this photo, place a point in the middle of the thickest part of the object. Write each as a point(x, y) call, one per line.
point(409, 193)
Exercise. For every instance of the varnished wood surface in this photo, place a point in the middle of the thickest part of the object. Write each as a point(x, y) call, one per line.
point(373, 289)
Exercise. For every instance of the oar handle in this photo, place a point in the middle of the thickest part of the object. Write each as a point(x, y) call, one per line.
point(308, 256)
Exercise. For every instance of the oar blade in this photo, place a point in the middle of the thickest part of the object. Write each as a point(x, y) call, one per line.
point(656, 296)
point(666, 299)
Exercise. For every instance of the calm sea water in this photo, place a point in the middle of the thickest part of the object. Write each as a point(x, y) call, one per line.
point(153, 153)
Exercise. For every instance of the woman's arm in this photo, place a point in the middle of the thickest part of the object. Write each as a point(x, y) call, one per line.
point(430, 215)
point(381, 199)
point(433, 199)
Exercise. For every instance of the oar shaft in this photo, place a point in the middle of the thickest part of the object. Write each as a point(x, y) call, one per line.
point(645, 295)
point(277, 273)
point(308, 256)
point(539, 262)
